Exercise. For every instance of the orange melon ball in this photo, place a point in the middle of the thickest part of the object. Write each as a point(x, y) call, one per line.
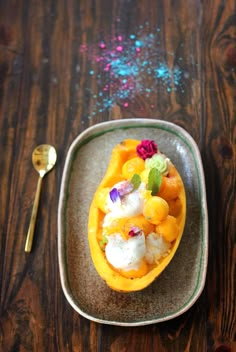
point(131, 274)
point(170, 187)
point(168, 228)
point(101, 198)
point(140, 222)
point(175, 207)
point(132, 166)
point(155, 210)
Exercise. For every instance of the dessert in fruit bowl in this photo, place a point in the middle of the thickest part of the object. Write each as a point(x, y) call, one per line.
point(137, 216)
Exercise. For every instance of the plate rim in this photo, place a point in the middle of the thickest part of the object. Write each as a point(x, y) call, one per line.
point(84, 138)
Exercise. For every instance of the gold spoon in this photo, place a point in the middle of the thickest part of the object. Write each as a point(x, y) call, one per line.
point(43, 158)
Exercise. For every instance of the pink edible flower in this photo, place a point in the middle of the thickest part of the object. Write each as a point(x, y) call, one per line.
point(124, 187)
point(135, 231)
point(146, 149)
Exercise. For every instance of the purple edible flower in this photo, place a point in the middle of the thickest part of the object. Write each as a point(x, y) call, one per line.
point(114, 194)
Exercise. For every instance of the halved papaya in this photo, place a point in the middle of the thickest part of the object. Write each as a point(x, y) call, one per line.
point(118, 279)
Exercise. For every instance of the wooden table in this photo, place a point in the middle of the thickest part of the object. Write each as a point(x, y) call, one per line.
point(58, 76)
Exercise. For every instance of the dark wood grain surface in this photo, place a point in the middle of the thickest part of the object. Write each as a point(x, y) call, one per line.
point(50, 81)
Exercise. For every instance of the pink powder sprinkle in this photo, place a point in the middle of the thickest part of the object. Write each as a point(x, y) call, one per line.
point(83, 48)
point(102, 45)
point(119, 48)
point(126, 105)
point(107, 68)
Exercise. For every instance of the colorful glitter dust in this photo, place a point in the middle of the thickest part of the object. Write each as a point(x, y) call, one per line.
point(126, 67)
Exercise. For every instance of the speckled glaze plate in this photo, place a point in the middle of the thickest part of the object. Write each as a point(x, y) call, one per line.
point(181, 283)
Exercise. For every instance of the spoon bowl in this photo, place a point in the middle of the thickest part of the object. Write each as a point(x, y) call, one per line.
point(43, 158)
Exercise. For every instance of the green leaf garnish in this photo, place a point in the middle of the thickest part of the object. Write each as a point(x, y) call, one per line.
point(136, 181)
point(154, 181)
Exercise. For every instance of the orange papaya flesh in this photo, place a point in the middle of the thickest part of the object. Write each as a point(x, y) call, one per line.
point(172, 191)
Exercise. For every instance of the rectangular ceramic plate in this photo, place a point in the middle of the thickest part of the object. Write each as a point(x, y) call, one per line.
point(181, 283)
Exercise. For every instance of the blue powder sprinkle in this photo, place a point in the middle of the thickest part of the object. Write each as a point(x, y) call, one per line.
point(138, 43)
point(137, 69)
point(177, 76)
point(163, 72)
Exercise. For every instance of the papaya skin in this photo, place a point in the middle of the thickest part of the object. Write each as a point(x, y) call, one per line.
point(113, 278)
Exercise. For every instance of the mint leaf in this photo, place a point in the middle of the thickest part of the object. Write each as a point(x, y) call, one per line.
point(154, 181)
point(136, 181)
